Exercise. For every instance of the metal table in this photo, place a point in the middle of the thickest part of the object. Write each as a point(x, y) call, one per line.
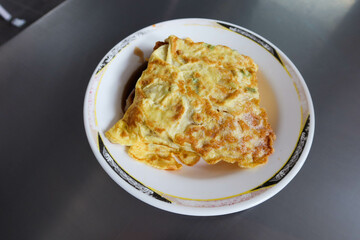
point(53, 190)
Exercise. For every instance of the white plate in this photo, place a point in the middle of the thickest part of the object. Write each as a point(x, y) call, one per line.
point(203, 189)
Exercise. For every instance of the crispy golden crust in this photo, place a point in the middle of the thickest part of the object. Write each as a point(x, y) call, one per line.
point(196, 100)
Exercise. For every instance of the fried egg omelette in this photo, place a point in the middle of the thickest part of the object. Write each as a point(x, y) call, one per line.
point(196, 100)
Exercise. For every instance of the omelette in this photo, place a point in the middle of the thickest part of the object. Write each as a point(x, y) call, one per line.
point(195, 100)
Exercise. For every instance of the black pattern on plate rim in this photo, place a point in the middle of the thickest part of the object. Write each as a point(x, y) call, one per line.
point(292, 160)
point(256, 39)
point(125, 176)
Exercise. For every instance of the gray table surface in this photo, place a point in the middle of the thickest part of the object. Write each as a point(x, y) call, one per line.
point(52, 187)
